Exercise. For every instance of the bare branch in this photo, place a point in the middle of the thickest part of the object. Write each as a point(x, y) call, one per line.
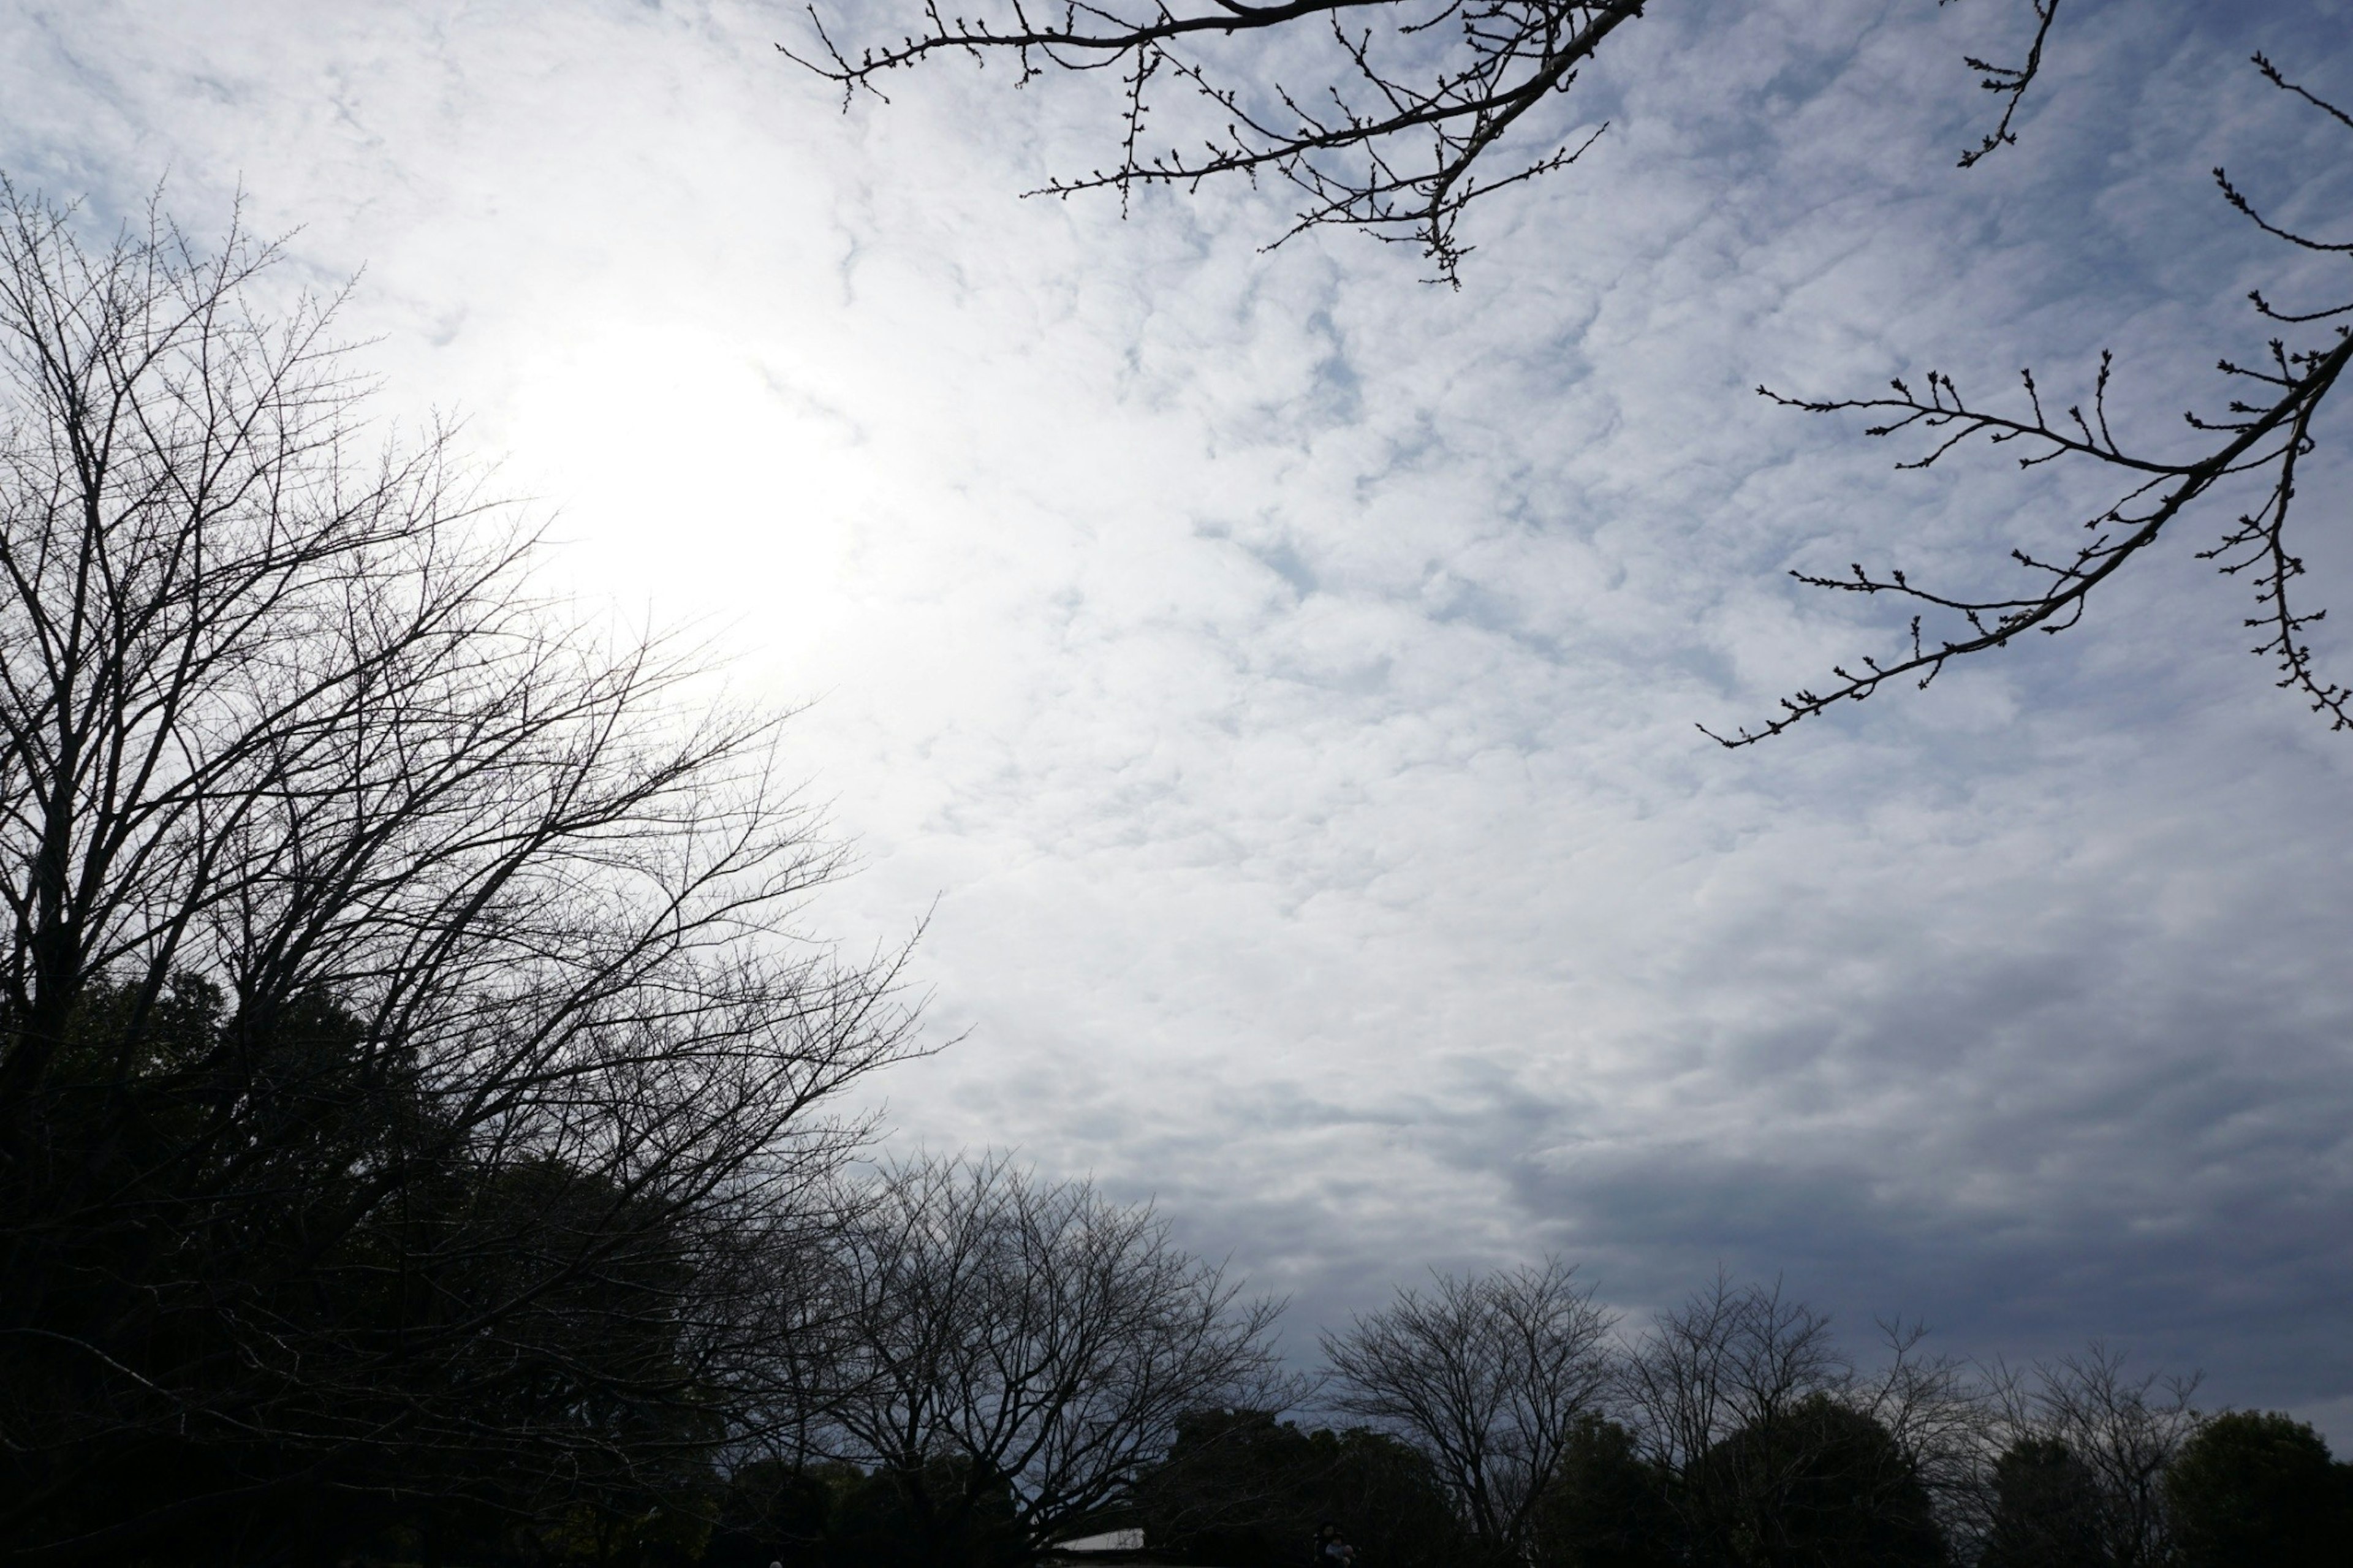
point(2010, 82)
point(1395, 143)
point(2269, 438)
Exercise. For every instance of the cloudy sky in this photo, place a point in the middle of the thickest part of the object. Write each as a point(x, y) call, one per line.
point(1276, 677)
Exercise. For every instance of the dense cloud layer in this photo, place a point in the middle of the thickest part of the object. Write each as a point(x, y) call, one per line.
point(1283, 674)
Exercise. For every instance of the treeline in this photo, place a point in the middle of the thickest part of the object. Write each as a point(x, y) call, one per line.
point(417, 1139)
point(1505, 1420)
point(1732, 1432)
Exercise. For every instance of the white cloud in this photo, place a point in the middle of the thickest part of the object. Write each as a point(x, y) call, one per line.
point(1283, 674)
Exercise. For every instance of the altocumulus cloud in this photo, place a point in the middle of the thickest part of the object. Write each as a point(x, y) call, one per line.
point(1283, 674)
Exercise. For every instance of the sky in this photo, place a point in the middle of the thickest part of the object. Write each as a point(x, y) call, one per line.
point(1274, 678)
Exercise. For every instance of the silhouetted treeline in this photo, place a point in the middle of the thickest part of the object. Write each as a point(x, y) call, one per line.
point(1243, 1489)
point(1732, 1431)
point(1823, 1485)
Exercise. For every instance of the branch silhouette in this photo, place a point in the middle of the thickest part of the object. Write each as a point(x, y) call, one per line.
point(2268, 432)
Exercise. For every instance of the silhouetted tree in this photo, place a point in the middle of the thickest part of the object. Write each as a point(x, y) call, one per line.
point(2046, 1510)
point(407, 1068)
point(1816, 1485)
point(828, 1514)
point(1730, 1396)
point(772, 1510)
point(1488, 1376)
point(1608, 1507)
point(1007, 1339)
point(2259, 1487)
point(1242, 1488)
point(1732, 1360)
point(2104, 1440)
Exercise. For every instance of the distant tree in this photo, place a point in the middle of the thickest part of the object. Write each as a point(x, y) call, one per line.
point(1233, 1487)
point(772, 1510)
point(1488, 1376)
point(407, 1058)
point(1776, 1447)
point(1817, 1485)
point(1014, 1354)
point(1731, 1359)
point(828, 1514)
point(2046, 1510)
point(2102, 1441)
point(1945, 1419)
point(2259, 1487)
point(1242, 1488)
point(1608, 1507)
point(1395, 115)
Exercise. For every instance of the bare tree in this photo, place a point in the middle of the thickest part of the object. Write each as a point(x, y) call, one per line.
point(403, 1026)
point(1772, 1438)
point(1016, 1351)
point(2121, 1431)
point(1945, 1419)
point(1731, 1356)
point(1488, 1375)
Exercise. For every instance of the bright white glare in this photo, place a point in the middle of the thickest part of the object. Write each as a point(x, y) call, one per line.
point(689, 476)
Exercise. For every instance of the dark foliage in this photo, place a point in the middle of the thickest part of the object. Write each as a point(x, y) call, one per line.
point(2046, 1511)
point(771, 1510)
point(170, 1248)
point(833, 1515)
point(1243, 1489)
point(1818, 1486)
point(1608, 1507)
point(2259, 1487)
point(2118, 1433)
